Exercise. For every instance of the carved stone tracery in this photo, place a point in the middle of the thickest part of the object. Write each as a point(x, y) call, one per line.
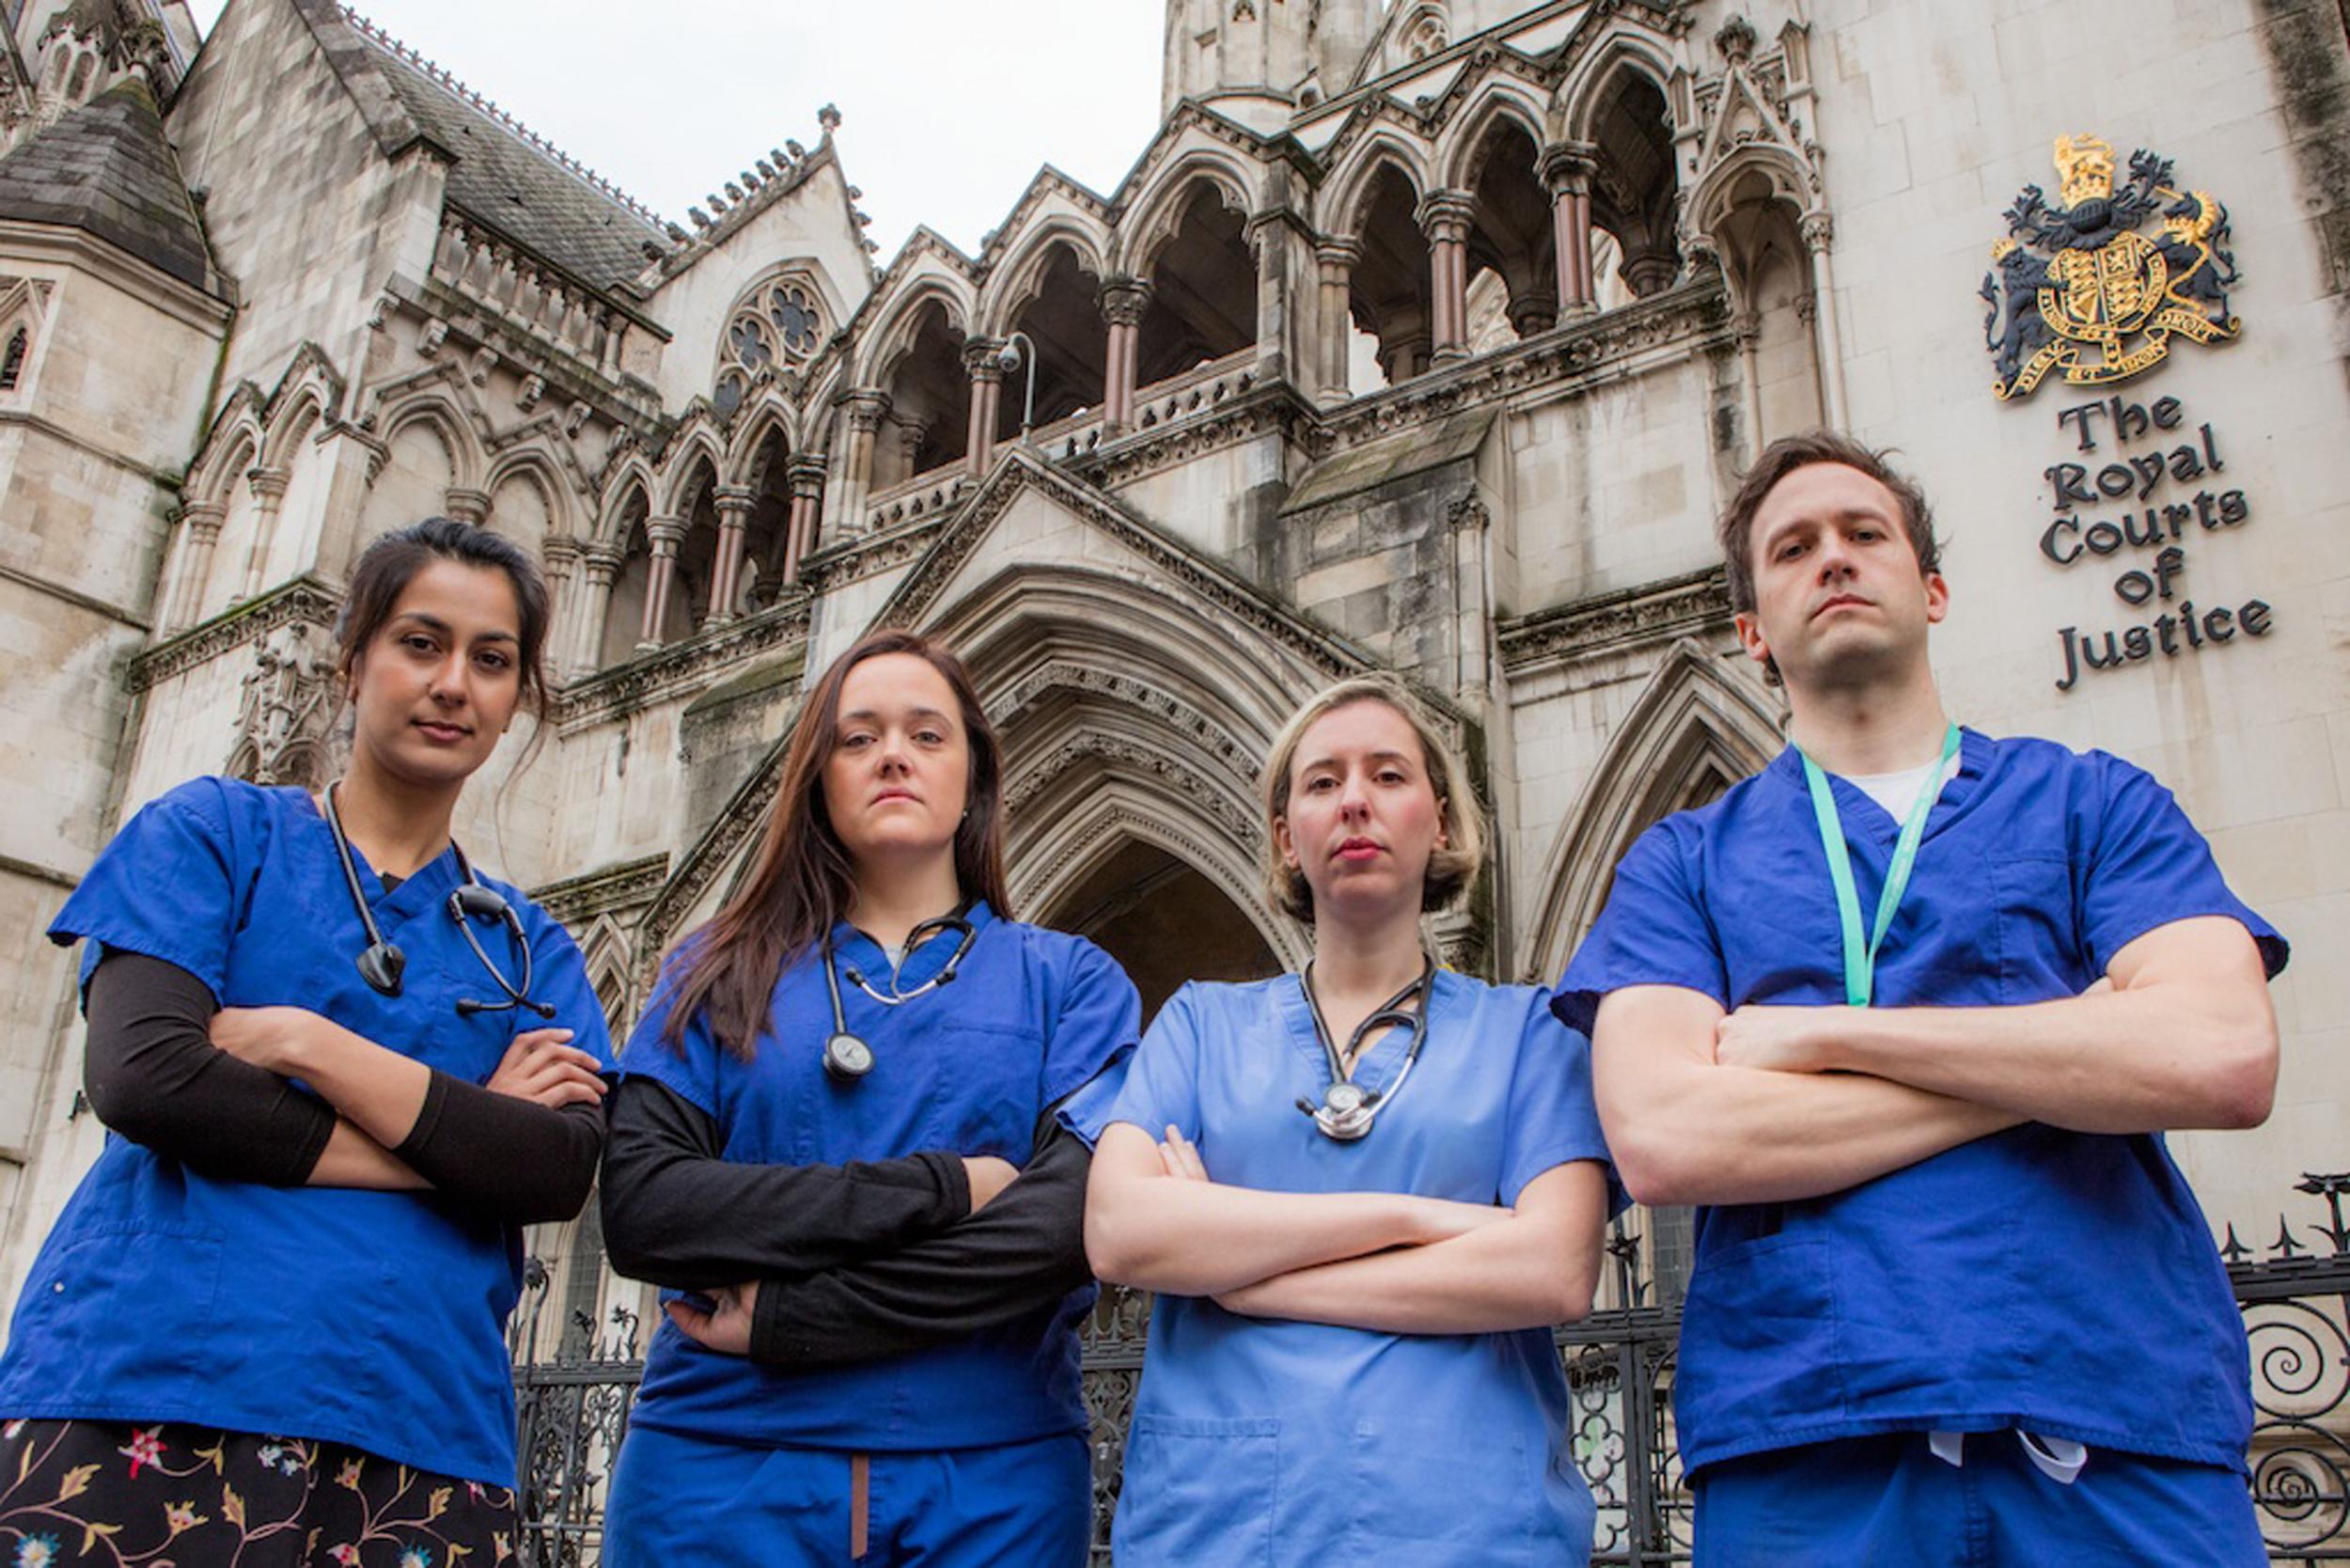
point(290, 697)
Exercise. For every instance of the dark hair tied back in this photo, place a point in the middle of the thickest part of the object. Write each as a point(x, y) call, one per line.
point(387, 567)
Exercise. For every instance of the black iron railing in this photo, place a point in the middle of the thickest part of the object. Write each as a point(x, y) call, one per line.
point(574, 1404)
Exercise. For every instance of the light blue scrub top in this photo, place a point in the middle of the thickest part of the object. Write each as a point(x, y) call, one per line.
point(1030, 1017)
point(2064, 1283)
point(375, 1319)
point(1257, 1440)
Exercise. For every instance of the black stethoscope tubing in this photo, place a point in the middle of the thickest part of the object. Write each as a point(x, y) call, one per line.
point(1348, 1110)
point(382, 964)
point(846, 1056)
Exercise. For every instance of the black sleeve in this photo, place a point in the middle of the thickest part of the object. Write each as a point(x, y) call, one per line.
point(521, 1161)
point(153, 1075)
point(676, 1215)
point(1024, 1250)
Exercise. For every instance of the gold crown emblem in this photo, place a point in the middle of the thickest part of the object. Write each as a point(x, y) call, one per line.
point(2086, 164)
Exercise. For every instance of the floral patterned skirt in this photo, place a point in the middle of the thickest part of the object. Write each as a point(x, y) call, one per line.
point(123, 1495)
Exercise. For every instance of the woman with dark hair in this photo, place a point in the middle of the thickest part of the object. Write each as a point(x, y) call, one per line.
point(1364, 1194)
point(837, 1138)
point(341, 1070)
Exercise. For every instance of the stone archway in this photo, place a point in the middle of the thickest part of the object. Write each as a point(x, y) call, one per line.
point(1163, 920)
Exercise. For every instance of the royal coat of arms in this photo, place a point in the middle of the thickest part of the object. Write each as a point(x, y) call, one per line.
point(2077, 287)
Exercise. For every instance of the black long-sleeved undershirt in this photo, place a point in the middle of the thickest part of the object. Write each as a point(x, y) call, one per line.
point(678, 1215)
point(1022, 1251)
point(153, 1075)
point(854, 1262)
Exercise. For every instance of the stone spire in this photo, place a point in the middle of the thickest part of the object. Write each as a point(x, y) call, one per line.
point(105, 168)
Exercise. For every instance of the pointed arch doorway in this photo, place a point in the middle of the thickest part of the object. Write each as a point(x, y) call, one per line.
point(1164, 921)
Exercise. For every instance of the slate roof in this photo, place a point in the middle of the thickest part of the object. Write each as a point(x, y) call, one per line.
point(106, 169)
point(503, 173)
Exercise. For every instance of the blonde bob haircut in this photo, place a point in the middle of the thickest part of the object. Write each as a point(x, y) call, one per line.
point(1452, 868)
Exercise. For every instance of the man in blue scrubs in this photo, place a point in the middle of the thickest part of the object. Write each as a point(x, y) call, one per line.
point(1906, 1015)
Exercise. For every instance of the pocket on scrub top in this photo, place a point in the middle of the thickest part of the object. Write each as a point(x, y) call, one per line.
point(1442, 1495)
point(1760, 1340)
point(134, 1302)
point(1198, 1491)
point(2036, 932)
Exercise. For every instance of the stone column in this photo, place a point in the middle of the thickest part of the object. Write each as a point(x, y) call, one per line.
point(1444, 217)
point(560, 558)
point(733, 503)
point(269, 493)
point(1567, 168)
point(184, 594)
point(467, 506)
point(909, 435)
point(1819, 237)
point(1536, 311)
point(666, 534)
point(601, 564)
point(1745, 329)
point(1335, 259)
point(804, 472)
point(987, 390)
point(1123, 302)
point(864, 411)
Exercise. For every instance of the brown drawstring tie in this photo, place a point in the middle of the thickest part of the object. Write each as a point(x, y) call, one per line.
point(860, 1498)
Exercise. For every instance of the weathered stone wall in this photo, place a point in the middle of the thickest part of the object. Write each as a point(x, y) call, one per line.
point(306, 212)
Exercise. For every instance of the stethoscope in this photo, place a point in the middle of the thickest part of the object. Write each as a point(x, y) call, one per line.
point(1347, 1108)
point(382, 964)
point(846, 1056)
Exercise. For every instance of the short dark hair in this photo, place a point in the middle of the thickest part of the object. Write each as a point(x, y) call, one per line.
point(1783, 457)
point(386, 568)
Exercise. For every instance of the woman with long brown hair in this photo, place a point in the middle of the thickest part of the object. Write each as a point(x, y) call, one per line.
point(837, 1139)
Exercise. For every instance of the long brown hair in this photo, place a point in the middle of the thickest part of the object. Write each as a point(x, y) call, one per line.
point(801, 885)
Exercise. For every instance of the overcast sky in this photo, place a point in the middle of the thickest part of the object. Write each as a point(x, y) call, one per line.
point(947, 106)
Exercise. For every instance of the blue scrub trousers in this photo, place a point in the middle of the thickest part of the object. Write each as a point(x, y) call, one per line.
point(679, 1502)
point(1887, 1502)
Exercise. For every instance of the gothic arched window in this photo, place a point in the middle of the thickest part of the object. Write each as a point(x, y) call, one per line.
point(12, 360)
point(780, 323)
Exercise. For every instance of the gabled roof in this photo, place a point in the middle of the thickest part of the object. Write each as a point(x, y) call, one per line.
point(106, 169)
point(502, 172)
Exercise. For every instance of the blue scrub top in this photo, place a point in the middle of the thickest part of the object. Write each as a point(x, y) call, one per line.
point(1031, 1016)
point(1257, 1440)
point(2064, 1283)
point(375, 1319)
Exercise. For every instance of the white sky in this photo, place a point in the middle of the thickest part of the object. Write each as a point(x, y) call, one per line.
point(947, 106)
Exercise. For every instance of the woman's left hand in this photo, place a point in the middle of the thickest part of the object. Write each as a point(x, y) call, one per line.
point(727, 1330)
point(275, 1038)
point(1180, 1158)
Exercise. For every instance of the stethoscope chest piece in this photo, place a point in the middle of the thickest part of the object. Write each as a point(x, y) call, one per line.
point(847, 1059)
point(1346, 1112)
point(382, 966)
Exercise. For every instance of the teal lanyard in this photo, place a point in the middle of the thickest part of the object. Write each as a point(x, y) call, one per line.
point(1861, 957)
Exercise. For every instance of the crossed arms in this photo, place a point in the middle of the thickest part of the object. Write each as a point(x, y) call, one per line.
point(1388, 1261)
point(1781, 1104)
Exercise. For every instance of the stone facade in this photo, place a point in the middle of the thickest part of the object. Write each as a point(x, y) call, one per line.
point(1428, 336)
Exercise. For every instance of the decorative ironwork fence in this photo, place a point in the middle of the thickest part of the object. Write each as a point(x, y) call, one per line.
point(574, 1406)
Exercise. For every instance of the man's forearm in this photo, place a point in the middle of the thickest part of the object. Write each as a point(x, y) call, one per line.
point(1736, 1135)
point(2122, 1061)
point(2180, 1033)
